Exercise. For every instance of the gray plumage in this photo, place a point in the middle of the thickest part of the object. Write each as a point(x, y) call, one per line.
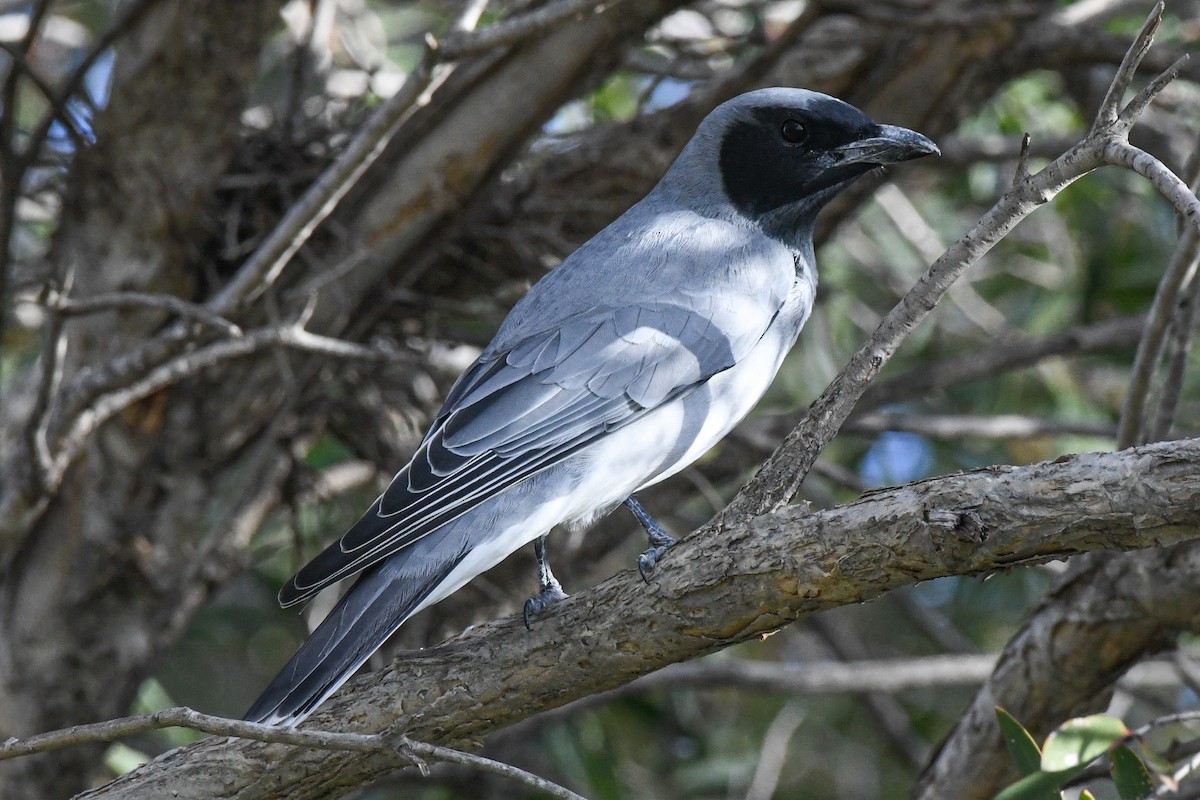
point(620, 367)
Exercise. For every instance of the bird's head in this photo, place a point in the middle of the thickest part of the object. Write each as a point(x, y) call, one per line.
point(780, 154)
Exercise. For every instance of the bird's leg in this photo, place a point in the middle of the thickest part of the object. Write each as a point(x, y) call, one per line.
point(550, 591)
point(660, 540)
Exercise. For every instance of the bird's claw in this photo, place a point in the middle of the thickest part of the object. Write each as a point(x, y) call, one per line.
point(540, 602)
point(648, 560)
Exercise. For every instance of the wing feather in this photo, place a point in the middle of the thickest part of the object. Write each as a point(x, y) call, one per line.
point(516, 412)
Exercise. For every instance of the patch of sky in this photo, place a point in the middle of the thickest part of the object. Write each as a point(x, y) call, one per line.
point(896, 457)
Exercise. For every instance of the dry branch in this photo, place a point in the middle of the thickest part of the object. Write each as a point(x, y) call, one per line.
point(727, 583)
point(415, 753)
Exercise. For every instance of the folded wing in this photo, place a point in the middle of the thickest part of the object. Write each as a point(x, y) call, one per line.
point(517, 412)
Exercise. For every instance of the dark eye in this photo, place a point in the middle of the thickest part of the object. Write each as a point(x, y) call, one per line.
point(793, 131)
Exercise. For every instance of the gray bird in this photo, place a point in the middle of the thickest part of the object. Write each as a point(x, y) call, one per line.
point(619, 368)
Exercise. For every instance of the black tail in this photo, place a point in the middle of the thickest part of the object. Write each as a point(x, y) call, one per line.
point(379, 603)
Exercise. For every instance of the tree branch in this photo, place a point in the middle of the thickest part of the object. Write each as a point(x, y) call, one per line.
point(379, 744)
point(1084, 635)
point(302, 219)
point(892, 675)
point(732, 581)
point(1007, 353)
point(957, 426)
point(460, 44)
point(71, 306)
point(71, 443)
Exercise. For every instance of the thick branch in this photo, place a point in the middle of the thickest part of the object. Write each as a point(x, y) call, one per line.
point(728, 583)
point(1062, 663)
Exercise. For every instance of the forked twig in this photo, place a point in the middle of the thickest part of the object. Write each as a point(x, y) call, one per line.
point(181, 717)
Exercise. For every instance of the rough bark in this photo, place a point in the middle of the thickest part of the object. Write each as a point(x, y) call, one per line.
point(1107, 615)
point(719, 586)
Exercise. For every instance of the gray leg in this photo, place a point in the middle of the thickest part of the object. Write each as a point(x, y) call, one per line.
point(660, 540)
point(550, 591)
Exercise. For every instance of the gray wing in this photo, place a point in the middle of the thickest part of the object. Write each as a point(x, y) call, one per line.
point(516, 412)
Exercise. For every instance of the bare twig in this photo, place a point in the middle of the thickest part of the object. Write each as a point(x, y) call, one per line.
point(1022, 171)
point(58, 110)
point(435, 752)
point(188, 364)
point(956, 426)
point(1170, 787)
point(194, 720)
point(1000, 356)
point(1183, 322)
point(73, 307)
point(13, 163)
point(182, 717)
point(1109, 112)
point(8, 94)
point(1163, 721)
point(774, 751)
point(1179, 272)
point(459, 43)
point(468, 18)
point(890, 675)
point(319, 201)
point(54, 348)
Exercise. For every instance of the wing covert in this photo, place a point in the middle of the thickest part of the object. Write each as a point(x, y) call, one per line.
point(514, 413)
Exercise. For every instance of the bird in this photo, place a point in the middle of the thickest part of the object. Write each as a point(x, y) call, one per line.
point(617, 369)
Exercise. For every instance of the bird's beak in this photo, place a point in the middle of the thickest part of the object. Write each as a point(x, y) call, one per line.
point(890, 145)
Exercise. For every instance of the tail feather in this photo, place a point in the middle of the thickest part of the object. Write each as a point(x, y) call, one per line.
point(380, 601)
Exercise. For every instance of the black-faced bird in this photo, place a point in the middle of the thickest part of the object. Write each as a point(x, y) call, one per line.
point(620, 367)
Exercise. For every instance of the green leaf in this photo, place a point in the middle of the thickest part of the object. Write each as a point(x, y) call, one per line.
point(1130, 775)
point(1079, 741)
point(1021, 745)
point(1086, 795)
point(1038, 786)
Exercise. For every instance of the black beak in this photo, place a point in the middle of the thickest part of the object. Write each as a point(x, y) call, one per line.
point(890, 145)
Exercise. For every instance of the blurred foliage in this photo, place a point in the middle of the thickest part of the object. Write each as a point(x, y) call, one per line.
point(1094, 254)
point(1130, 760)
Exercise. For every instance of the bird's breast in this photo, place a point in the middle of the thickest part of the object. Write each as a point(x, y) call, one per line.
point(675, 434)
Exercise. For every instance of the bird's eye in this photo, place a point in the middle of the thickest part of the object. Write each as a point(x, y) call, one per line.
point(793, 131)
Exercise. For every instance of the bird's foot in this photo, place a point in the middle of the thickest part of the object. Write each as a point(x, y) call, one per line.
point(660, 540)
point(649, 559)
point(548, 596)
